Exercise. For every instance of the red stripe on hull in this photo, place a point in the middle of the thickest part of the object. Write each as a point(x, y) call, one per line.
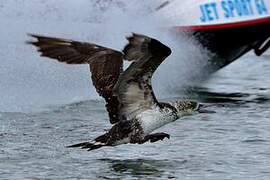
point(224, 26)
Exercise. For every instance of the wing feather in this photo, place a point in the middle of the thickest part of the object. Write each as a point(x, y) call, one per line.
point(134, 88)
point(126, 93)
point(105, 64)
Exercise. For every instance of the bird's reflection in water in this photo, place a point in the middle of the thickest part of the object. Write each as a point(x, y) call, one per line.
point(206, 95)
point(142, 168)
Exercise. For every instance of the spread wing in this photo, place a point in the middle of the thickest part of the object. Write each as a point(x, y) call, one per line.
point(105, 64)
point(134, 89)
point(126, 94)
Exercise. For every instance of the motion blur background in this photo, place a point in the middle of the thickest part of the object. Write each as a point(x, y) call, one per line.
point(46, 105)
point(29, 82)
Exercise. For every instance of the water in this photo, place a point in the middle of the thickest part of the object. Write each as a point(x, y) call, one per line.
point(46, 106)
point(232, 143)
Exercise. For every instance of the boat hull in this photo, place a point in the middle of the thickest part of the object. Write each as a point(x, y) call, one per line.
point(227, 28)
point(228, 43)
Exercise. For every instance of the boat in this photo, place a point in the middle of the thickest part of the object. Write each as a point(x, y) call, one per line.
point(227, 28)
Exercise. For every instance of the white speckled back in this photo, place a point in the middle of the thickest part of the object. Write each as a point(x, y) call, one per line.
point(155, 118)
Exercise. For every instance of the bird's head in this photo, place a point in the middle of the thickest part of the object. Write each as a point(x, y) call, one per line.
point(186, 107)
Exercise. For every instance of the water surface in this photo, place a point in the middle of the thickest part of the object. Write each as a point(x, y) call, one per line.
point(232, 143)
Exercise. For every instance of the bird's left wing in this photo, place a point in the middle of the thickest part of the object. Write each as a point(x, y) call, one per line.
point(134, 88)
point(105, 64)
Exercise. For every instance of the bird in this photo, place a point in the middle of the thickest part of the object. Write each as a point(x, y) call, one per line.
point(132, 106)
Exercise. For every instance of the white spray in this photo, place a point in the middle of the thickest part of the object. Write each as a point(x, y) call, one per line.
point(28, 81)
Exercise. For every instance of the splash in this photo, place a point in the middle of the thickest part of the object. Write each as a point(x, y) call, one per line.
point(28, 82)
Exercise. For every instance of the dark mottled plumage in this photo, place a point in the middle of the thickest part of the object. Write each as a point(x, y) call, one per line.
point(130, 101)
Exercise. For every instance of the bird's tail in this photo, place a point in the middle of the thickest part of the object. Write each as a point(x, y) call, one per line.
point(99, 142)
point(88, 145)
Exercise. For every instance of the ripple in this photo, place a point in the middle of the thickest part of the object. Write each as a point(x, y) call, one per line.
point(254, 141)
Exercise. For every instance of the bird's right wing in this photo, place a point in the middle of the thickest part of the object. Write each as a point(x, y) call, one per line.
point(134, 88)
point(105, 64)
